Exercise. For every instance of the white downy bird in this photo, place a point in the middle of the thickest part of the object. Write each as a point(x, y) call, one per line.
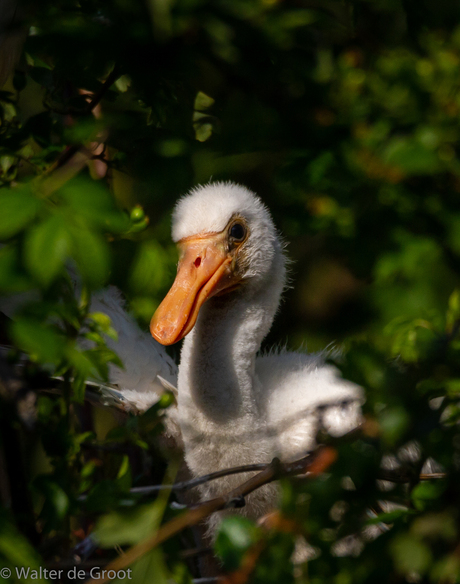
point(234, 406)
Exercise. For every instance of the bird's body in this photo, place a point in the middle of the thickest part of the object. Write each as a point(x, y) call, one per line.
point(235, 407)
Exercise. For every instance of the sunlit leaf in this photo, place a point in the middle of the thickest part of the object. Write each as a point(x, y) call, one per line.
point(150, 269)
point(236, 535)
point(46, 249)
point(203, 101)
point(120, 528)
point(124, 478)
point(91, 253)
point(427, 492)
point(151, 563)
point(16, 551)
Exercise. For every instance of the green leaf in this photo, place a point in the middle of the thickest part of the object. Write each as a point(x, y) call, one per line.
point(124, 478)
point(46, 249)
point(78, 388)
point(83, 130)
point(236, 535)
point(127, 527)
point(426, 493)
point(13, 278)
point(453, 310)
point(16, 551)
point(102, 321)
point(100, 357)
point(152, 562)
point(79, 360)
point(204, 125)
point(169, 149)
point(390, 517)
point(6, 162)
point(123, 83)
point(410, 554)
point(39, 340)
point(203, 101)
point(137, 214)
point(411, 156)
point(91, 201)
point(106, 495)
point(393, 422)
point(56, 505)
point(18, 208)
point(150, 269)
point(411, 338)
point(91, 253)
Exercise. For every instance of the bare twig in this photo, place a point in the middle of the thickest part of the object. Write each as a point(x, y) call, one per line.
point(97, 97)
point(399, 475)
point(184, 485)
point(314, 463)
point(391, 475)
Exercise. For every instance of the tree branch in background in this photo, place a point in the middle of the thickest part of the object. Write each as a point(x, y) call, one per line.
point(97, 97)
point(185, 485)
point(393, 476)
point(74, 158)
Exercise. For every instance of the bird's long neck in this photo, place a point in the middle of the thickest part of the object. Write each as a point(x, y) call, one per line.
point(217, 384)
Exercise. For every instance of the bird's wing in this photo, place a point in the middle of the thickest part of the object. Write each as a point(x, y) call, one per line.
point(145, 361)
point(147, 366)
point(301, 394)
point(98, 393)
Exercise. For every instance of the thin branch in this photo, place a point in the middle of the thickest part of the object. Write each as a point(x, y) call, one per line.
point(97, 97)
point(390, 475)
point(314, 463)
point(184, 485)
point(399, 475)
point(427, 476)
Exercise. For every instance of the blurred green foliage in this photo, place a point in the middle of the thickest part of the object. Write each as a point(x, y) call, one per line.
point(344, 117)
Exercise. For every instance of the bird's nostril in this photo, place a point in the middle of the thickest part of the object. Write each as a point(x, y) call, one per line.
point(197, 262)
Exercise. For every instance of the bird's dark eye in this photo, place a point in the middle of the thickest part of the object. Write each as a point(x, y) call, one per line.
point(237, 232)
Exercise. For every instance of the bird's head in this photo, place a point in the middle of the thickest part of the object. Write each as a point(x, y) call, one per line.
point(226, 240)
